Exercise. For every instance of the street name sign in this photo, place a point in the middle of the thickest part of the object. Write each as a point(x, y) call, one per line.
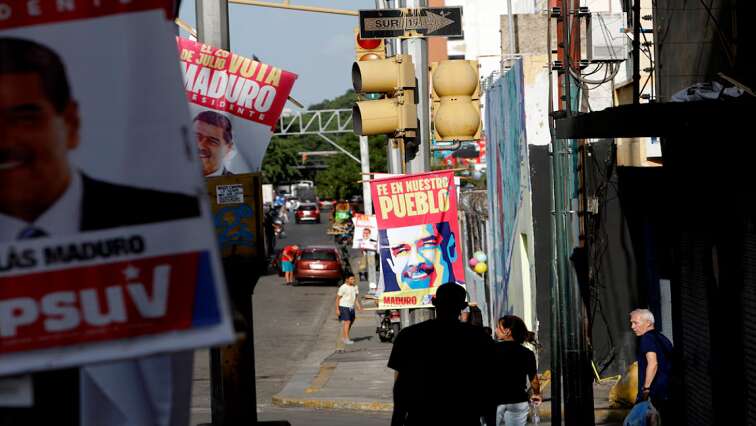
point(419, 22)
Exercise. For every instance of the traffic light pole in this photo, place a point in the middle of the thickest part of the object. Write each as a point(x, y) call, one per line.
point(418, 48)
point(394, 153)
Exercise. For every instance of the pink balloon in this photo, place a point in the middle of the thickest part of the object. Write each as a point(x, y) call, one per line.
point(472, 262)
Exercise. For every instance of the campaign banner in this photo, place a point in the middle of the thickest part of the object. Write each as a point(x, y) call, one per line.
point(418, 237)
point(235, 103)
point(107, 249)
point(365, 232)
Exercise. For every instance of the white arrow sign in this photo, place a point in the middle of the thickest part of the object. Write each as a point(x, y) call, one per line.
point(431, 23)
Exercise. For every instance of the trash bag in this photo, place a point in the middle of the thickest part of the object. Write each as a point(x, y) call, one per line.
point(643, 414)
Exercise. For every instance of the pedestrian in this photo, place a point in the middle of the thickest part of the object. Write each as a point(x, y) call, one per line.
point(654, 356)
point(363, 265)
point(288, 256)
point(442, 367)
point(515, 369)
point(346, 300)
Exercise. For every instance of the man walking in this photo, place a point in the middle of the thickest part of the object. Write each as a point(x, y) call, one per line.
point(654, 363)
point(346, 300)
point(443, 368)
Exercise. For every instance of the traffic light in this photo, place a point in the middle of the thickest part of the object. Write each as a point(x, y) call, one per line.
point(394, 115)
point(456, 100)
point(368, 49)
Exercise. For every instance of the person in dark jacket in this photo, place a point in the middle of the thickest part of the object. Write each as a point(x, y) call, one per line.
point(515, 370)
point(654, 363)
point(442, 368)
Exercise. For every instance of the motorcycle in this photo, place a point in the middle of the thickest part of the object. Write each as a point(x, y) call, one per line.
point(344, 235)
point(278, 229)
point(389, 324)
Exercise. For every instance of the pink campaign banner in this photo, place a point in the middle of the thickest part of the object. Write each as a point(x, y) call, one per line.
point(418, 236)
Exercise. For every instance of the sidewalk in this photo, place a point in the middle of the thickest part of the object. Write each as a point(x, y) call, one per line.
point(355, 377)
point(347, 377)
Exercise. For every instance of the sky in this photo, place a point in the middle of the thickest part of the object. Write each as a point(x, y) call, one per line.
point(318, 47)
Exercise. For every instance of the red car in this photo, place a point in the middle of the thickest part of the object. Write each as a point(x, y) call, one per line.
point(307, 212)
point(319, 263)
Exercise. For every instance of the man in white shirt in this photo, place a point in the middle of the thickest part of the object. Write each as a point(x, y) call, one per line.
point(346, 300)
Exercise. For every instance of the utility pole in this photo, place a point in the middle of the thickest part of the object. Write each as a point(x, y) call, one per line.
point(367, 201)
point(232, 367)
point(574, 355)
point(212, 23)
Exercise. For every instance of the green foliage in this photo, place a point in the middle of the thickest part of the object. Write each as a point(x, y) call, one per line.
point(340, 178)
point(344, 101)
point(279, 161)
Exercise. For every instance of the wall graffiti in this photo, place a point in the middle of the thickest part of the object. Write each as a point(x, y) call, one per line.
point(507, 155)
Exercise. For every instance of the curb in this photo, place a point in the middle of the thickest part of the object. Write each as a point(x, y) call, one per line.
point(332, 404)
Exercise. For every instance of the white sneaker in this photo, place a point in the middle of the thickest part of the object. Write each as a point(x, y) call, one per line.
point(348, 342)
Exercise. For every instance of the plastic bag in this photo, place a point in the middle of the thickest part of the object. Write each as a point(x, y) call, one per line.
point(643, 414)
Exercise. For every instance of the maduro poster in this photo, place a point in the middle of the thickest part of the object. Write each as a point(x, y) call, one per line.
point(107, 249)
point(365, 232)
point(418, 237)
point(235, 103)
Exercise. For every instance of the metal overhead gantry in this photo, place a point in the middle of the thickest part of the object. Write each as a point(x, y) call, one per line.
point(319, 122)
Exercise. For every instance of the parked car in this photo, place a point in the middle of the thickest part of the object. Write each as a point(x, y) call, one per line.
point(319, 264)
point(307, 212)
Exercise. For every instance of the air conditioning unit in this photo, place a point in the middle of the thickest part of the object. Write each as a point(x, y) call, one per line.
point(608, 39)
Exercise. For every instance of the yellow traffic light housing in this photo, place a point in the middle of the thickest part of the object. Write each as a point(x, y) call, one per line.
point(396, 115)
point(455, 100)
point(368, 49)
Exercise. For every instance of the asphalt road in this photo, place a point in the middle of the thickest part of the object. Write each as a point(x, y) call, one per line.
point(287, 323)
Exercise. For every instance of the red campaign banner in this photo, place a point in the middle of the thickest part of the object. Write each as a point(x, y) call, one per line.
point(224, 81)
point(97, 303)
point(20, 13)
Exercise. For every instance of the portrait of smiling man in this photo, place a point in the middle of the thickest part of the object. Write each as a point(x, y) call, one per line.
point(215, 142)
point(420, 256)
point(42, 192)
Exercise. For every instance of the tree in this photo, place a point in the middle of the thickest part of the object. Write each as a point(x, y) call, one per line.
point(279, 161)
point(339, 180)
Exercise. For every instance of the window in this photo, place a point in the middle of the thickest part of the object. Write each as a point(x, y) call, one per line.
point(318, 255)
point(307, 208)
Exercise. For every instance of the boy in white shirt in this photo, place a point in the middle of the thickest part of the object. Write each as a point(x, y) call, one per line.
point(346, 300)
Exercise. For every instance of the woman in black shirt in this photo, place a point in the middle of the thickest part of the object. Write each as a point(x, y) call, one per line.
point(516, 367)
